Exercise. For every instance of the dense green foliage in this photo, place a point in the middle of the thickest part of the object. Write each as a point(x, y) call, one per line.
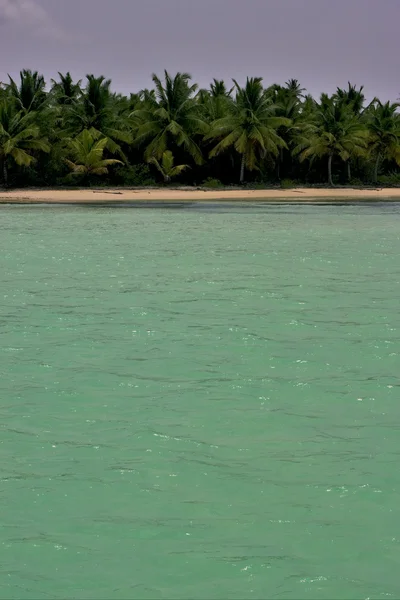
point(272, 135)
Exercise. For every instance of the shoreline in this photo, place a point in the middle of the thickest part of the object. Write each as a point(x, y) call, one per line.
point(143, 195)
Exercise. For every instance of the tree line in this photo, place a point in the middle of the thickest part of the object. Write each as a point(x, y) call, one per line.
point(76, 133)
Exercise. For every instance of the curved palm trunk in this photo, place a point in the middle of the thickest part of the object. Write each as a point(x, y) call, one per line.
point(330, 180)
point(348, 170)
point(376, 170)
point(242, 167)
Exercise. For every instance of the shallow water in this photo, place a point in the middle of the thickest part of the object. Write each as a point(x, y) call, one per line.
point(200, 403)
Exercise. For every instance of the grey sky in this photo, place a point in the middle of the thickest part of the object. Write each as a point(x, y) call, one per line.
point(323, 43)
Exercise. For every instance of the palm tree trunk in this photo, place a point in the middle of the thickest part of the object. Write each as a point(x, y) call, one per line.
point(330, 180)
point(279, 163)
point(242, 166)
point(376, 170)
point(5, 173)
point(348, 171)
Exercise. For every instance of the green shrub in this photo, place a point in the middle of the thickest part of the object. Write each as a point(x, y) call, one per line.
point(212, 183)
point(356, 182)
point(391, 179)
point(287, 184)
point(135, 175)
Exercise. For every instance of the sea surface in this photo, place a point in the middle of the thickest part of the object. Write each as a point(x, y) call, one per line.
point(200, 402)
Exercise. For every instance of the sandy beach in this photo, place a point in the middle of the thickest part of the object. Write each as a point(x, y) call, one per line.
point(94, 196)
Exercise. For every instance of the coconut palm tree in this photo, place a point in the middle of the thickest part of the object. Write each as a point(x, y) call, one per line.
point(97, 111)
point(288, 102)
point(170, 117)
point(3, 90)
point(65, 91)
point(87, 152)
point(167, 168)
point(250, 126)
point(218, 89)
point(336, 133)
point(215, 102)
point(384, 128)
point(19, 137)
point(354, 100)
point(30, 95)
point(293, 86)
point(352, 97)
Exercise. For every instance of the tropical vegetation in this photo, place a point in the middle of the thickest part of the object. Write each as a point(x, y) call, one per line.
point(84, 133)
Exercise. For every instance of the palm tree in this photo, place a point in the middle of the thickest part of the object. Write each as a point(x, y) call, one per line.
point(87, 152)
point(354, 100)
point(215, 102)
point(19, 136)
point(3, 90)
point(336, 133)
point(218, 89)
point(65, 91)
point(30, 95)
point(294, 88)
point(169, 117)
point(352, 97)
point(250, 126)
point(98, 112)
point(167, 168)
point(384, 128)
point(288, 102)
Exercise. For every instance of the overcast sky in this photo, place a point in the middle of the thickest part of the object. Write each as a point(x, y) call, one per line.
point(323, 43)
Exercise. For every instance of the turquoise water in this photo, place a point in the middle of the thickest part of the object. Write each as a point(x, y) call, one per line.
point(200, 403)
